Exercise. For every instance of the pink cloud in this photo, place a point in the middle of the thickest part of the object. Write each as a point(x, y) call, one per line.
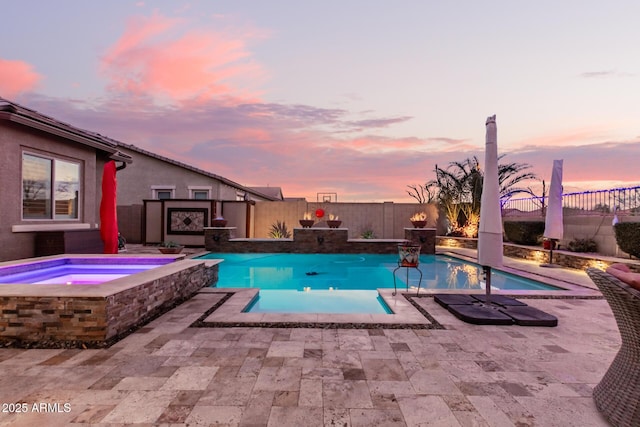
point(295, 147)
point(17, 77)
point(156, 56)
point(565, 138)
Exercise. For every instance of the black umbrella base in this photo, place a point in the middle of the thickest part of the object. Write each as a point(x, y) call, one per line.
point(503, 310)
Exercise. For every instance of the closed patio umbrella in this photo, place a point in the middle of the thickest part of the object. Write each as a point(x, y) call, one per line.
point(505, 310)
point(108, 215)
point(553, 224)
point(490, 230)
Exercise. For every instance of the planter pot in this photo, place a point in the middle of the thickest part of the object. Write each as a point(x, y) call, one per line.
point(408, 255)
point(175, 250)
point(419, 224)
point(218, 222)
point(306, 223)
point(334, 223)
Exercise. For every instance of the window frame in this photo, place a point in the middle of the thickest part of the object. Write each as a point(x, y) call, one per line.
point(155, 189)
point(52, 159)
point(193, 189)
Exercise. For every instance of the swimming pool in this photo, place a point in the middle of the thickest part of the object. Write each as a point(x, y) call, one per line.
point(337, 274)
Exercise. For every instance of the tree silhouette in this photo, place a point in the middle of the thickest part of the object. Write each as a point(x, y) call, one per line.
point(458, 190)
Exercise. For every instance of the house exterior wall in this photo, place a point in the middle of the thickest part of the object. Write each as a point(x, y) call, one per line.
point(17, 236)
point(136, 186)
point(135, 182)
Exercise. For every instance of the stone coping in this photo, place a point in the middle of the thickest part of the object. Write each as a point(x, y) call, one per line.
point(231, 312)
point(269, 239)
point(90, 256)
point(406, 313)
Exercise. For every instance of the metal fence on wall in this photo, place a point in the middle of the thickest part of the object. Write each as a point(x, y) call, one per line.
point(622, 200)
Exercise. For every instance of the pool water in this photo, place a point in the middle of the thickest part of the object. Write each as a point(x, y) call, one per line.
point(318, 301)
point(74, 274)
point(306, 280)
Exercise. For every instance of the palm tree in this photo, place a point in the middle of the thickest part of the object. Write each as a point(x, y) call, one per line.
point(511, 174)
point(459, 189)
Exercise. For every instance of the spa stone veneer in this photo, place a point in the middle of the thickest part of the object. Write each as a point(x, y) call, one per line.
point(316, 240)
point(97, 314)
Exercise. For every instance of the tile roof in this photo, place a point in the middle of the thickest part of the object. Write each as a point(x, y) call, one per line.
point(28, 117)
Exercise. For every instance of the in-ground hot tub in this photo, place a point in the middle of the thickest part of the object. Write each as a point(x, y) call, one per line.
point(77, 270)
point(92, 299)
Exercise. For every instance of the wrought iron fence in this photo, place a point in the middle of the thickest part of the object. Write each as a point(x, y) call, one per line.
point(622, 200)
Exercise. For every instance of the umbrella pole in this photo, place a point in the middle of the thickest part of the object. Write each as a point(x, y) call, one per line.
point(551, 264)
point(487, 286)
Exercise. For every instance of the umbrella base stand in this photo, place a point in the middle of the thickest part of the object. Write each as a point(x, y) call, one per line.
point(504, 310)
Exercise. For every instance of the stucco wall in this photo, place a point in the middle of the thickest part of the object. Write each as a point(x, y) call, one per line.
point(130, 223)
point(236, 215)
point(386, 220)
point(14, 139)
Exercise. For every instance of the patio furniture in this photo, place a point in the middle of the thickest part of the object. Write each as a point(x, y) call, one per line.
point(617, 396)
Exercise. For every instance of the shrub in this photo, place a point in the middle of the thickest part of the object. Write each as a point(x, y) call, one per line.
point(367, 232)
point(583, 245)
point(524, 232)
point(628, 237)
point(279, 230)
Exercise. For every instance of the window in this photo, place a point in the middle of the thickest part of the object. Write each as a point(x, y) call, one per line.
point(200, 195)
point(50, 188)
point(162, 192)
point(199, 192)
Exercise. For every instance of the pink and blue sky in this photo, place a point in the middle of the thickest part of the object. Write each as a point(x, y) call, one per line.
point(357, 97)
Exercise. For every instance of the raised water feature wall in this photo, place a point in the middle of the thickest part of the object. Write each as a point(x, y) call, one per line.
point(316, 240)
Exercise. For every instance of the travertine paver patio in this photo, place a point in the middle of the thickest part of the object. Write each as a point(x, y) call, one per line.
point(168, 373)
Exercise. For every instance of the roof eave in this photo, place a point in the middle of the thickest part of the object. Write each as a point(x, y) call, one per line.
point(95, 143)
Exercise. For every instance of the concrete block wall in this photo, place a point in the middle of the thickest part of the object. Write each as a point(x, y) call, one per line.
point(387, 220)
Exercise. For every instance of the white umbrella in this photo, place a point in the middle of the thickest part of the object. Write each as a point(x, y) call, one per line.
point(553, 224)
point(490, 230)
